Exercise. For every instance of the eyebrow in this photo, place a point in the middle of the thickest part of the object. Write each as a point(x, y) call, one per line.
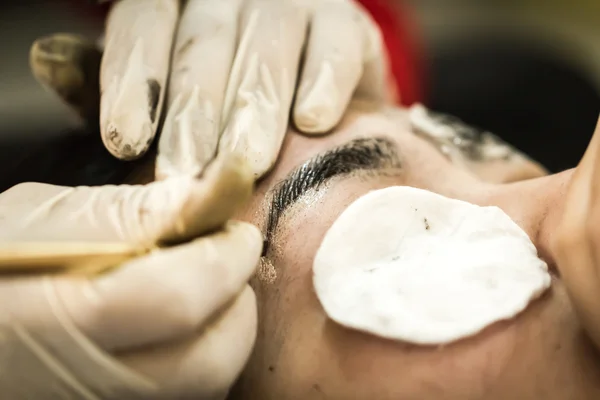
point(357, 155)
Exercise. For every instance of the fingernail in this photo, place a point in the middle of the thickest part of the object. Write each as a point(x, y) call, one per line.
point(316, 110)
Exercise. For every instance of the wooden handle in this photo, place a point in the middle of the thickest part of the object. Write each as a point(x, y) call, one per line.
point(61, 257)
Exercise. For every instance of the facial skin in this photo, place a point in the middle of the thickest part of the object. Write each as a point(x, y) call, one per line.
point(301, 354)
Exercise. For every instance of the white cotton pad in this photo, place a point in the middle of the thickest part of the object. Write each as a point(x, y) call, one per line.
point(411, 265)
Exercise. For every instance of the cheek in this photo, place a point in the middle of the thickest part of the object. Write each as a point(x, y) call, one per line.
point(312, 356)
point(507, 171)
point(317, 357)
point(426, 168)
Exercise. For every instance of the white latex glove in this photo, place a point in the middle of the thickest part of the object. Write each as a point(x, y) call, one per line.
point(177, 323)
point(233, 75)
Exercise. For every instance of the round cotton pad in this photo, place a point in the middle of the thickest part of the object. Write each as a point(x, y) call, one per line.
point(411, 265)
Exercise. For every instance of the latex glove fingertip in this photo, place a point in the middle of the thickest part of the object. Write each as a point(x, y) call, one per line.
point(317, 109)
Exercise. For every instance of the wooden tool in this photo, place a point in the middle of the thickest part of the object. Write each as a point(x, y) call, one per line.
point(71, 257)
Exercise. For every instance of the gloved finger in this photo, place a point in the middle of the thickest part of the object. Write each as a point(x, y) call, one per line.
point(334, 64)
point(206, 364)
point(49, 357)
point(262, 80)
point(69, 66)
point(373, 82)
point(202, 58)
point(174, 210)
point(166, 295)
point(133, 75)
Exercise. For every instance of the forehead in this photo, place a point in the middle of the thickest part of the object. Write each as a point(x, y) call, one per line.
point(418, 158)
point(500, 162)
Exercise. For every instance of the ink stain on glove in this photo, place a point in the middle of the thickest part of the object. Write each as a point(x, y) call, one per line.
point(153, 97)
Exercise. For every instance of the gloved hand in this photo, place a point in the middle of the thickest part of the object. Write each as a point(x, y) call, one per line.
point(232, 77)
point(178, 322)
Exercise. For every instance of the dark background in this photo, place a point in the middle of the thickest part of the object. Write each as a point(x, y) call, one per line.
point(539, 103)
point(527, 81)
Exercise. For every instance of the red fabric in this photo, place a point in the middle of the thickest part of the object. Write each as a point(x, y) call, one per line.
point(398, 32)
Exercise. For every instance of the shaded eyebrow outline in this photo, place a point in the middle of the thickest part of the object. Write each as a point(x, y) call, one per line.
point(359, 154)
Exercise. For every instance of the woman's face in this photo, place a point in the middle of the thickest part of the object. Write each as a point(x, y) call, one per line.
point(300, 353)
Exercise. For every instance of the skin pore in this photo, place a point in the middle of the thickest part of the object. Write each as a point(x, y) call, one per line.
point(300, 354)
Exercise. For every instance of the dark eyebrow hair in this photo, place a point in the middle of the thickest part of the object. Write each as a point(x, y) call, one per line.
point(359, 154)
